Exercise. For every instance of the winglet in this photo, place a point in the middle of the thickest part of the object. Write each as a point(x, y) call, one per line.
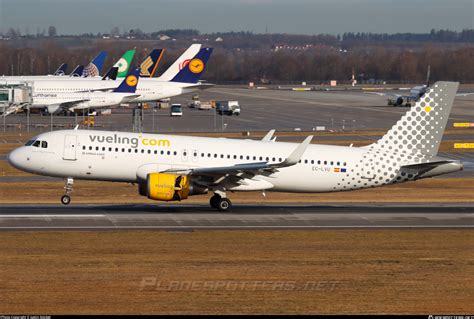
point(268, 136)
point(295, 157)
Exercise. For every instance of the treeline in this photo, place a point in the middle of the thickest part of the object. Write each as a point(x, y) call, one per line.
point(284, 66)
point(464, 36)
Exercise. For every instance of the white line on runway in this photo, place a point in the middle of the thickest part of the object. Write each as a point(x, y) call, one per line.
point(50, 216)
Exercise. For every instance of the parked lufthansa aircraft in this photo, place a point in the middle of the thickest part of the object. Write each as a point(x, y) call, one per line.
point(168, 167)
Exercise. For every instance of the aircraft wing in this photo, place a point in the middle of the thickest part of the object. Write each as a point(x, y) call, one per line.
point(130, 98)
point(247, 170)
point(200, 86)
point(393, 95)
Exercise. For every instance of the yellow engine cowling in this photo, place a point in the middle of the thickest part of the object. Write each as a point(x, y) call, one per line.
point(167, 187)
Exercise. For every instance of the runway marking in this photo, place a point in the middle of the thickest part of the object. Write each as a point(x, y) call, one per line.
point(48, 216)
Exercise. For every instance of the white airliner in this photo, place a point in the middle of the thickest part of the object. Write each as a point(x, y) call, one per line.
point(73, 101)
point(183, 78)
point(168, 167)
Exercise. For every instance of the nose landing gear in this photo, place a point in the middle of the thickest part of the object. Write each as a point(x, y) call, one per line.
point(66, 198)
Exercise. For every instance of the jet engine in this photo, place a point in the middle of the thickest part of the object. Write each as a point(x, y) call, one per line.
point(167, 187)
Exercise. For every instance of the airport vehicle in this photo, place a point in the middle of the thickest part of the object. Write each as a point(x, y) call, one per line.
point(176, 110)
point(171, 167)
point(228, 107)
point(72, 101)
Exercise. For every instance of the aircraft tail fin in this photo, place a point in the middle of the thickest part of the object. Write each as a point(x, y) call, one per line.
point(94, 68)
point(78, 71)
point(61, 70)
point(193, 70)
point(149, 65)
point(124, 63)
point(129, 84)
point(111, 74)
point(180, 62)
point(421, 129)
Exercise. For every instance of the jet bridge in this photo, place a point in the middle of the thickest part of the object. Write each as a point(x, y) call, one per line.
point(14, 97)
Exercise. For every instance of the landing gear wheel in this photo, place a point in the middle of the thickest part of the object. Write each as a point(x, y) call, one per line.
point(224, 204)
point(214, 201)
point(65, 199)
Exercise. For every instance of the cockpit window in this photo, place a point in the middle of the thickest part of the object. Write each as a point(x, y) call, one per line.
point(44, 144)
point(36, 144)
point(29, 142)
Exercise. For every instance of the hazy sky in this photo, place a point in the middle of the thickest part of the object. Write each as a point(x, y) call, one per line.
point(282, 16)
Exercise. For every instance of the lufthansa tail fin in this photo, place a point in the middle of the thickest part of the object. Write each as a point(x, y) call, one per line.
point(61, 70)
point(95, 67)
point(129, 84)
point(421, 129)
point(149, 65)
point(193, 70)
point(78, 71)
point(180, 62)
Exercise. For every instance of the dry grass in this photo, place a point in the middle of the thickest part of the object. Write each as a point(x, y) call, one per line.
point(391, 271)
point(440, 190)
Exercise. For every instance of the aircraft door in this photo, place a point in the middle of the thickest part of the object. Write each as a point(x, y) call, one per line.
point(70, 145)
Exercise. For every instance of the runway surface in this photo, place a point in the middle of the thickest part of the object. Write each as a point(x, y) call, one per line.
point(194, 217)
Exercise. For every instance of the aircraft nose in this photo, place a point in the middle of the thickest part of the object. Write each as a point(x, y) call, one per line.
point(17, 158)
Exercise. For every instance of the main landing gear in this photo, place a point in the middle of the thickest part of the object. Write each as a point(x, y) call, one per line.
point(221, 203)
point(66, 198)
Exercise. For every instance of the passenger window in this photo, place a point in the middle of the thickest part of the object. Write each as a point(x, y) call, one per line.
point(110, 149)
point(169, 153)
point(338, 163)
point(90, 148)
point(143, 151)
point(156, 152)
point(175, 153)
point(116, 149)
point(332, 163)
point(306, 161)
point(345, 163)
point(235, 156)
point(83, 147)
point(319, 162)
point(123, 150)
point(312, 161)
point(136, 151)
point(260, 158)
point(273, 159)
point(96, 148)
point(255, 158)
point(215, 155)
point(129, 150)
point(103, 149)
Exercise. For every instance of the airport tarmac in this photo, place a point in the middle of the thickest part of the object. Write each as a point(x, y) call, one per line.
point(202, 217)
point(261, 110)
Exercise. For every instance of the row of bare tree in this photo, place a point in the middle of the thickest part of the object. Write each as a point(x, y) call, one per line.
point(284, 66)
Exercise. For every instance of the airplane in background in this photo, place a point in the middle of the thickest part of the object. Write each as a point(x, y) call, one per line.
point(78, 71)
point(186, 80)
point(416, 93)
point(73, 101)
point(172, 168)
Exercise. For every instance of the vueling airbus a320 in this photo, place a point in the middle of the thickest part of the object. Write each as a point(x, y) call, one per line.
point(171, 168)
